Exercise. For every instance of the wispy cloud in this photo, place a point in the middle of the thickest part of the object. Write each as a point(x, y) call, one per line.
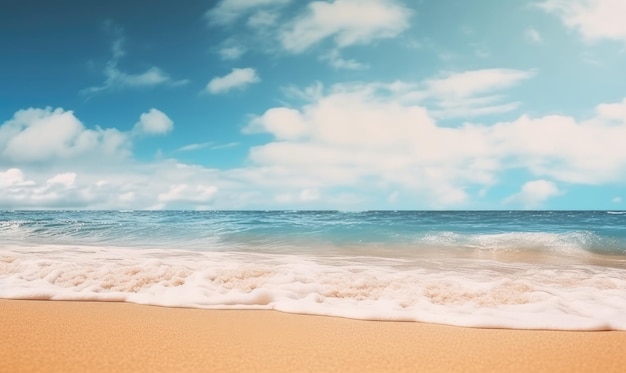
point(336, 61)
point(363, 132)
point(532, 36)
point(262, 19)
point(206, 145)
point(470, 93)
point(118, 79)
point(236, 79)
point(228, 11)
point(231, 52)
point(378, 19)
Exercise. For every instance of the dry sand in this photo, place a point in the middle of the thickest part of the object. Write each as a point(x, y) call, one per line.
point(45, 336)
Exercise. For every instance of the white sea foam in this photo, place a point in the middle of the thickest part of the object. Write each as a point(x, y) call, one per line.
point(464, 292)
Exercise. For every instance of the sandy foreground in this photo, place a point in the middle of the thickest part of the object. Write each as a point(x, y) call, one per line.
point(45, 336)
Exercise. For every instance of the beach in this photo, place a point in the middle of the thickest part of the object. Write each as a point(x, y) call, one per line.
point(65, 336)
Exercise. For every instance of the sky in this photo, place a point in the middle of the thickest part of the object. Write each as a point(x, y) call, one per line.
point(293, 104)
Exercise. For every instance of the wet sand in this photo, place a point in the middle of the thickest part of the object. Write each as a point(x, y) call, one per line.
point(55, 336)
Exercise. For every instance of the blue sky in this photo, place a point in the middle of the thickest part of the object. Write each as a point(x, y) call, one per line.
point(337, 104)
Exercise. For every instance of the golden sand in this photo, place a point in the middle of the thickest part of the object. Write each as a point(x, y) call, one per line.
point(47, 336)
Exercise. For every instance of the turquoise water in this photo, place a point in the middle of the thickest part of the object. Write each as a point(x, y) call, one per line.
point(511, 269)
point(268, 231)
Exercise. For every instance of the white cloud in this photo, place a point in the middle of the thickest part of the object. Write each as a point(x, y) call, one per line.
point(284, 123)
point(534, 194)
point(533, 36)
point(183, 194)
point(50, 160)
point(232, 52)
point(473, 82)
point(196, 146)
point(228, 11)
point(238, 78)
point(45, 135)
point(465, 94)
point(154, 122)
point(377, 19)
point(308, 195)
point(343, 148)
point(336, 61)
point(67, 179)
point(206, 145)
point(262, 19)
point(594, 19)
point(357, 135)
point(613, 112)
point(157, 185)
point(617, 199)
point(59, 191)
point(586, 152)
point(13, 177)
point(304, 196)
point(117, 79)
point(346, 138)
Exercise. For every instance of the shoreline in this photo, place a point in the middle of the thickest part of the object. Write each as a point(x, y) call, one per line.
point(68, 336)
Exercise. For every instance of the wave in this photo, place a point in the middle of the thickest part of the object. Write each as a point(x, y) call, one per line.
point(568, 242)
point(464, 292)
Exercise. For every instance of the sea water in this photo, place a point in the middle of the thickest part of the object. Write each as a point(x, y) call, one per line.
point(499, 269)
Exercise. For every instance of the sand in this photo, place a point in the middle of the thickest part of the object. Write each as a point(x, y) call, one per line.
point(49, 336)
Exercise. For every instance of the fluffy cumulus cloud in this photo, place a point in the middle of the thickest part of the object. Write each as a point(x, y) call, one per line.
point(360, 136)
point(43, 135)
point(353, 137)
point(534, 193)
point(50, 159)
point(13, 177)
point(236, 79)
point(344, 147)
point(594, 19)
point(613, 112)
point(58, 191)
point(154, 122)
point(136, 186)
point(378, 19)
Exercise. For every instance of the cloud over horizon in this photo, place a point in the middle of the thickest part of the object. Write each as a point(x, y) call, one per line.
point(317, 104)
point(345, 137)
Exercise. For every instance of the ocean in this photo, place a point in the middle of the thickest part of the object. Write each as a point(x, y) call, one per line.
point(560, 270)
